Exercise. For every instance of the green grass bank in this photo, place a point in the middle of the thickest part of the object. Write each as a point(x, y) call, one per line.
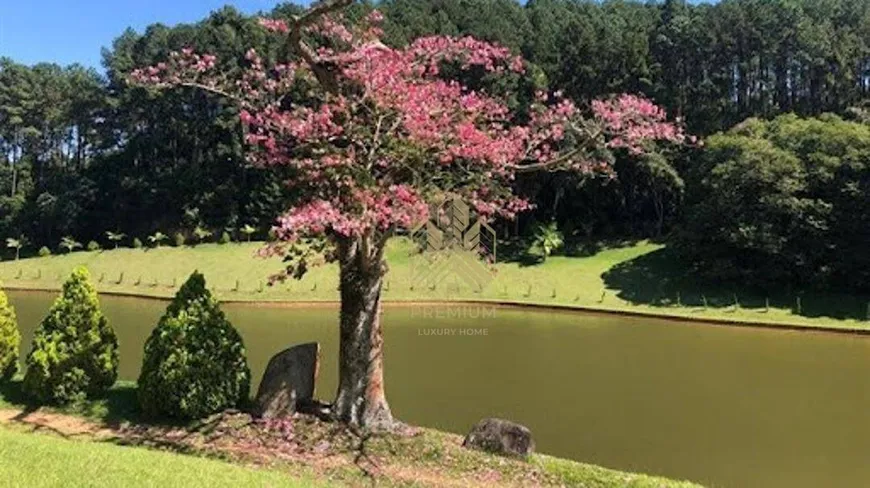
point(106, 443)
point(41, 460)
point(640, 278)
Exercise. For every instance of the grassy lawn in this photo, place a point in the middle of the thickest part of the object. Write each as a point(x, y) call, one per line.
point(640, 278)
point(103, 443)
point(42, 460)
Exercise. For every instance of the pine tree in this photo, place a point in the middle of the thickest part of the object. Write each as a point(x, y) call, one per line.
point(194, 362)
point(75, 351)
point(10, 339)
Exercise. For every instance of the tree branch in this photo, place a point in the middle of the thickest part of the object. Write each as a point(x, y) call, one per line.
point(322, 71)
point(210, 89)
point(319, 10)
point(590, 137)
point(528, 168)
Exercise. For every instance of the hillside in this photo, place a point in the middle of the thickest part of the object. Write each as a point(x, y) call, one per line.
point(638, 278)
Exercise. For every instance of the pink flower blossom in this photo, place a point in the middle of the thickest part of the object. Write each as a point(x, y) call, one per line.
point(396, 135)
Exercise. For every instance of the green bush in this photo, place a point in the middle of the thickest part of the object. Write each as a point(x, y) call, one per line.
point(225, 238)
point(201, 234)
point(548, 239)
point(75, 351)
point(179, 239)
point(10, 339)
point(781, 202)
point(137, 243)
point(93, 246)
point(44, 251)
point(194, 362)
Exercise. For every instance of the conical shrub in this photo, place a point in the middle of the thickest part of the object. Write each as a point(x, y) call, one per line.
point(75, 351)
point(10, 339)
point(194, 362)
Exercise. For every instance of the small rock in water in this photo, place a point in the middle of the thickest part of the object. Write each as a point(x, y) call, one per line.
point(288, 381)
point(499, 436)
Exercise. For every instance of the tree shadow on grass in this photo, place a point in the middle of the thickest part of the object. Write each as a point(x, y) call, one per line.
point(518, 250)
point(117, 406)
point(663, 279)
point(651, 279)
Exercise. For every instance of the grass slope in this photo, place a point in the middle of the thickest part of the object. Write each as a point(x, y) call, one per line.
point(640, 278)
point(317, 451)
point(38, 460)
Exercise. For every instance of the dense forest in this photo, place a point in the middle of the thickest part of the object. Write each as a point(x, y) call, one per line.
point(85, 153)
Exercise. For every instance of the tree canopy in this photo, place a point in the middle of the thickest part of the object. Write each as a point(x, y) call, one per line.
point(783, 201)
point(86, 153)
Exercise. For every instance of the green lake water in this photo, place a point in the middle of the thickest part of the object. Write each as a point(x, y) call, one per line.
point(723, 406)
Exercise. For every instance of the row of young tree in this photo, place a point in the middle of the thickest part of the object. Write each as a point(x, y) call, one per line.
point(86, 152)
point(194, 363)
point(114, 240)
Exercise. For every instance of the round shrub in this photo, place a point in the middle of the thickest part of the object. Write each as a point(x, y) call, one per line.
point(137, 243)
point(93, 246)
point(75, 352)
point(194, 362)
point(179, 239)
point(225, 238)
point(44, 251)
point(10, 339)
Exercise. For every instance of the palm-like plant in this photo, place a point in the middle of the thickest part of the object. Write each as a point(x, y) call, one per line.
point(16, 244)
point(248, 231)
point(115, 237)
point(70, 244)
point(201, 233)
point(157, 238)
point(548, 238)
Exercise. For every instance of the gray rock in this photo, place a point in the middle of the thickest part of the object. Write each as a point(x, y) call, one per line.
point(499, 436)
point(288, 381)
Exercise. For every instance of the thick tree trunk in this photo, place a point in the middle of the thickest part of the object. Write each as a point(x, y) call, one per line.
point(361, 401)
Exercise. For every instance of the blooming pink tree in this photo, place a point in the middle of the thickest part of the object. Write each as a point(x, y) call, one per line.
point(376, 135)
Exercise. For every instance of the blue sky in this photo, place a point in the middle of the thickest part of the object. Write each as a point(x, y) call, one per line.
point(70, 31)
point(73, 31)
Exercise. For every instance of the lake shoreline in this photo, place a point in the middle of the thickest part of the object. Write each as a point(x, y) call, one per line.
point(506, 304)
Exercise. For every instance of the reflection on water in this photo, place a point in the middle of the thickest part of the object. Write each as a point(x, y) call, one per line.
point(722, 406)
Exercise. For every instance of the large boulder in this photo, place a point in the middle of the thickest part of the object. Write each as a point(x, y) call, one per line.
point(500, 436)
point(288, 382)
